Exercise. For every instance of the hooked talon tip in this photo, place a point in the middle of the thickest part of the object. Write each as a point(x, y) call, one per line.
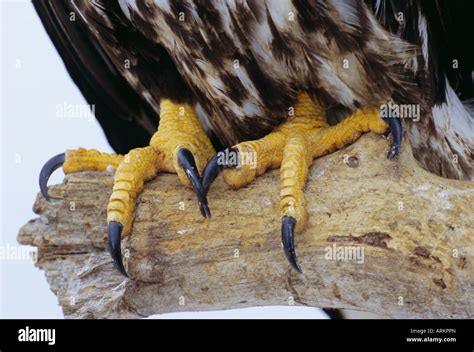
point(287, 238)
point(187, 162)
point(115, 238)
point(47, 170)
point(204, 208)
point(393, 151)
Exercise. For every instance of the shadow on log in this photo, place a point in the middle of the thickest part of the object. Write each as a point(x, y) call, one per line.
point(412, 234)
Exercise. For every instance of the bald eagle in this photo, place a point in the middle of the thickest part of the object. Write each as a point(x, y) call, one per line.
point(278, 82)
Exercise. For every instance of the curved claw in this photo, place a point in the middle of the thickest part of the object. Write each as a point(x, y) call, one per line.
point(287, 238)
point(219, 162)
point(115, 238)
point(210, 172)
point(397, 133)
point(187, 162)
point(47, 170)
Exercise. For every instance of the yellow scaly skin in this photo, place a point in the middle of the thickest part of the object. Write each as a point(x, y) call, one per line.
point(293, 145)
point(90, 160)
point(179, 128)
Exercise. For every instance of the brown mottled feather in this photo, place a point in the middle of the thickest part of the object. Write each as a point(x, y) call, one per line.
point(246, 65)
point(443, 139)
point(244, 62)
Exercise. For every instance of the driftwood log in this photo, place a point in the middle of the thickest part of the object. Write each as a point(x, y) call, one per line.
point(416, 231)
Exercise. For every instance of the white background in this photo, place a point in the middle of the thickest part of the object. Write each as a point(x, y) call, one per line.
point(33, 82)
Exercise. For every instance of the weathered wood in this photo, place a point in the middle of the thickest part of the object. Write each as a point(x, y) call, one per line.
point(416, 230)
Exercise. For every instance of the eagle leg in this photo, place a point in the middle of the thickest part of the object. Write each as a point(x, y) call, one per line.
point(179, 146)
point(292, 146)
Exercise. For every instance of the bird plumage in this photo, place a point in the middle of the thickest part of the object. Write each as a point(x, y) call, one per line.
point(243, 62)
point(443, 140)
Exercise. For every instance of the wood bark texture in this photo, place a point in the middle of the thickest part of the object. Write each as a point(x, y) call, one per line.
point(416, 231)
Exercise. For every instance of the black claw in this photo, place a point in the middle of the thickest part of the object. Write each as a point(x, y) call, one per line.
point(187, 162)
point(287, 238)
point(227, 158)
point(210, 172)
point(115, 238)
point(52, 164)
point(397, 133)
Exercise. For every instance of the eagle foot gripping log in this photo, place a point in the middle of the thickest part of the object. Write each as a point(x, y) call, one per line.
point(292, 146)
point(179, 146)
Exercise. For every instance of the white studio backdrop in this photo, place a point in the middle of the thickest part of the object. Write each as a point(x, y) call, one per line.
point(34, 82)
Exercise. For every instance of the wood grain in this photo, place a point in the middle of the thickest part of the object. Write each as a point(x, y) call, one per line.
point(416, 231)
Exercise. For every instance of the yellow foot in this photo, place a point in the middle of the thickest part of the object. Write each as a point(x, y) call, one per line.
point(291, 146)
point(179, 146)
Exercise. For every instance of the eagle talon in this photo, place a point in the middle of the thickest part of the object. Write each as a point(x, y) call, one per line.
point(47, 170)
point(393, 151)
point(210, 173)
point(215, 166)
point(397, 133)
point(292, 146)
point(287, 238)
point(188, 164)
point(115, 238)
